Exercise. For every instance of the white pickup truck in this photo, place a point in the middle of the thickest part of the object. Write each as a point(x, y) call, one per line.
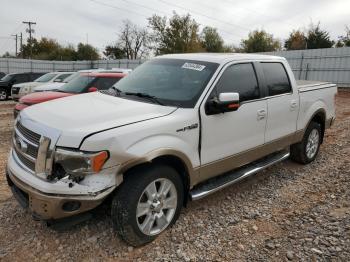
point(178, 128)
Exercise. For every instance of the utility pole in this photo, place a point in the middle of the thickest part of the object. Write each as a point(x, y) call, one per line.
point(21, 45)
point(30, 31)
point(16, 38)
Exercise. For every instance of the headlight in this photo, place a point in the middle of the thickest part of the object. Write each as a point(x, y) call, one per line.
point(79, 162)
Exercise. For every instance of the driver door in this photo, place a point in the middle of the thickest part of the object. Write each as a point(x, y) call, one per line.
point(228, 137)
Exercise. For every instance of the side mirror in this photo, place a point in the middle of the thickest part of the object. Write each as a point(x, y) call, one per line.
point(226, 102)
point(92, 89)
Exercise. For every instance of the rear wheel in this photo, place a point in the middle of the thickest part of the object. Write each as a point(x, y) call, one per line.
point(3, 94)
point(148, 202)
point(306, 151)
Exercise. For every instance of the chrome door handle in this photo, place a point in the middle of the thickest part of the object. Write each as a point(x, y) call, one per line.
point(261, 114)
point(293, 105)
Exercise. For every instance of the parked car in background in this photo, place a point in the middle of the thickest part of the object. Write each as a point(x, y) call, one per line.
point(85, 82)
point(2, 74)
point(179, 128)
point(23, 89)
point(53, 86)
point(9, 80)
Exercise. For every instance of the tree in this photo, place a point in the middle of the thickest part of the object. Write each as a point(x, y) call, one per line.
point(260, 41)
point(295, 41)
point(86, 52)
point(133, 42)
point(8, 55)
point(211, 40)
point(344, 40)
point(178, 35)
point(50, 49)
point(114, 52)
point(317, 38)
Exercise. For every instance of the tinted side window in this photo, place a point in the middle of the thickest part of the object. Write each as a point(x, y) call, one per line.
point(240, 79)
point(35, 76)
point(103, 83)
point(62, 77)
point(21, 78)
point(276, 78)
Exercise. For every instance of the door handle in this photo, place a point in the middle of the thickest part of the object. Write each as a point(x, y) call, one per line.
point(293, 105)
point(261, 114)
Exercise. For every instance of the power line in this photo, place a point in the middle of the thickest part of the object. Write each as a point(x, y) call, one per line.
point(257, 12)
point(117, 7)
point(207, 16)
point(7, 41)
point(166, 13)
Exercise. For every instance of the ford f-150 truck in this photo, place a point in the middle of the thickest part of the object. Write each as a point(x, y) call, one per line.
point(178, 128)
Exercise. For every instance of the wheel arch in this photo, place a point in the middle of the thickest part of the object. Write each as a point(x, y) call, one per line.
point(319, 117)
point(179, 161)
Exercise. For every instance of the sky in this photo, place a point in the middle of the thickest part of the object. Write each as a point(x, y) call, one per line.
point(98, 22)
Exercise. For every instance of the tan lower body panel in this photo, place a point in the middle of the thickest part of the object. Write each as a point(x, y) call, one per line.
point(48, 206)
point(224, 165)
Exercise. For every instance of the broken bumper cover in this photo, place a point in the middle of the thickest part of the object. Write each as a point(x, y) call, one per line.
point(53, 206)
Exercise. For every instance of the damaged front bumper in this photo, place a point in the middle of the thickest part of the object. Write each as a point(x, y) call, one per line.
point(53, 206)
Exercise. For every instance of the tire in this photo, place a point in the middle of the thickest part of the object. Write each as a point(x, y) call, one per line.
point(307, 150)
point(3, 94)
point(136, 193)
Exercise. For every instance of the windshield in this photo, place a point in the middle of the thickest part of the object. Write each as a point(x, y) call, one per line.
point(7, 78)
point(72, 76)
point(45, 78)
point(173, 82)
point(77, 84)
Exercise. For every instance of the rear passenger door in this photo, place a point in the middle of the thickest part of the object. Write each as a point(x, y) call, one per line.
point(282, 103)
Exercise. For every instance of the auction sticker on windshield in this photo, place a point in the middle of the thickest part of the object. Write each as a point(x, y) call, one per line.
point(193, 66)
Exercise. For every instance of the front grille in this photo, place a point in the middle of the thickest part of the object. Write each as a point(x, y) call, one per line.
point(28, 134)
point(15, 90)
point(28, 163)
point(26, 146)
point(31, 149)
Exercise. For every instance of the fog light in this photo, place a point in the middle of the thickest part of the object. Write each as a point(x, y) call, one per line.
point(71, 206)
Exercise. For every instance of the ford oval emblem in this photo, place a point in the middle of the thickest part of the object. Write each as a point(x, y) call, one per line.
point(23, 146)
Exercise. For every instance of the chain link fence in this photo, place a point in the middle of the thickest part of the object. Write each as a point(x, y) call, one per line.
point(14, 65)
point(328, 64)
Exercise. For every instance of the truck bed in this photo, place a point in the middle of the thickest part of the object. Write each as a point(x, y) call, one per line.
point(305, 85)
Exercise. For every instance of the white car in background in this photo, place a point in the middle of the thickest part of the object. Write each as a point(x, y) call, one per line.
point(23, 89)
point(55, 86)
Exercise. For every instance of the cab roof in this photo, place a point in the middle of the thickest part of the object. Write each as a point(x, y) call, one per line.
point(221, 57)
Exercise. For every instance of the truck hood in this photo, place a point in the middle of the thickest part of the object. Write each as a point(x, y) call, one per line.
point(78, 116)
point(4, 83)
point(28, 84)
point(48, 87)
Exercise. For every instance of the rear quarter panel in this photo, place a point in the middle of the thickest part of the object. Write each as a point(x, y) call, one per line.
point(313, 100)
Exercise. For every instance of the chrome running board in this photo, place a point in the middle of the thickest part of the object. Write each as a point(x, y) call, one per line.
point(227, 179)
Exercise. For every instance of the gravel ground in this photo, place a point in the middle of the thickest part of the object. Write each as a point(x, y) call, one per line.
point(288, 212)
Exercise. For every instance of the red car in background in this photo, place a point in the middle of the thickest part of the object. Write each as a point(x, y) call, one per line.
point(85, 82)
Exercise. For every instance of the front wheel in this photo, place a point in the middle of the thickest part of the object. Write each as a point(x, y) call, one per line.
point(148, 202)
point(306, 151)
point(3, 94)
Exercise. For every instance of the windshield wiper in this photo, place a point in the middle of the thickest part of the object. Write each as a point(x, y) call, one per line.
point(117, 90)
point(145, 95)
